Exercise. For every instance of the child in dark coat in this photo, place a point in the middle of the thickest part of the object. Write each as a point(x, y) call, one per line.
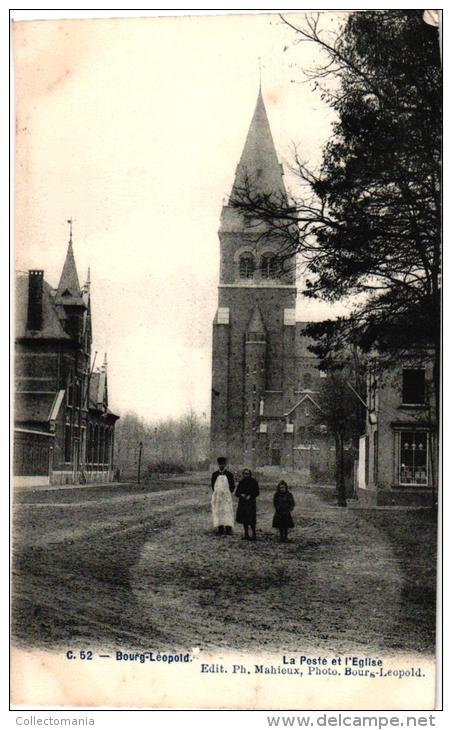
point(284, 503)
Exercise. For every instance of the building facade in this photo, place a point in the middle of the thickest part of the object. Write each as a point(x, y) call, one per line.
point(398, 461)
point(64, 429)
point(264, 377)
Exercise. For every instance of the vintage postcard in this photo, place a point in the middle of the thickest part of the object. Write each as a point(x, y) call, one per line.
point(227, 361)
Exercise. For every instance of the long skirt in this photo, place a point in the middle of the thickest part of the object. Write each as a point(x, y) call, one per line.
point(282, 520)
point(246, 512)
point(222, 511)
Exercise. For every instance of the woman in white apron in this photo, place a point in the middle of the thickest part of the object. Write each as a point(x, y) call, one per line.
point(222, 510)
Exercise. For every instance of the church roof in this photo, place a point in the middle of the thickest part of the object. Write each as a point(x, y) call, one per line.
point(68, 291)
point(259, 165)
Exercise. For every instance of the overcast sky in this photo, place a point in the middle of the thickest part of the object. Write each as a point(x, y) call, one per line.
point(134, 128)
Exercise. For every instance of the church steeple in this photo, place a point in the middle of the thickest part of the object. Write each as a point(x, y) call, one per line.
point(259, 167)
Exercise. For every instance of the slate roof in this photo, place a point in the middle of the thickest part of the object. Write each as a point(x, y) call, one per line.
point(69, 291)
point(259, 161)
point(33, 407)
point(52, 327)
point(98, 393)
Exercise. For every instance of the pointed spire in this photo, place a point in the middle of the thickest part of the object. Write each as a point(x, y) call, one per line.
point(259, 166)
point(69, 286)
point(104, 365)
point(256, 323)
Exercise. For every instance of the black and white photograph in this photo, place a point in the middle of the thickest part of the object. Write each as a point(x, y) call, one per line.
point(227, 360)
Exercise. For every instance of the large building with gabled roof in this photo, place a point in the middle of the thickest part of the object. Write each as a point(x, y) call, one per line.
point(265, 380)
point(63, 426)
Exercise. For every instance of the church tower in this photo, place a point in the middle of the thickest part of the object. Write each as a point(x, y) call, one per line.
point(254, 326)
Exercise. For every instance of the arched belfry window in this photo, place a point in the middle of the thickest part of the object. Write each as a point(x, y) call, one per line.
point(247, 266)
point(269, 266)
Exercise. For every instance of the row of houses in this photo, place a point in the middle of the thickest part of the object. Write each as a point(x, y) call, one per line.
point(64, 429)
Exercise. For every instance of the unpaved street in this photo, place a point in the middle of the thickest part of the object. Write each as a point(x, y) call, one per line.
point(128, 566)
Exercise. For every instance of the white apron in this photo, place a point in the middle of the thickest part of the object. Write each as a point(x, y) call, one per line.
point(222, 510)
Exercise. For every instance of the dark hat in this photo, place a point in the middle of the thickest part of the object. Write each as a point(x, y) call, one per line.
point(221, 460)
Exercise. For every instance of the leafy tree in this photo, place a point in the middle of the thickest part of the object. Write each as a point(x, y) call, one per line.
point(343, 417)
point(367, 223)
point(167, 444)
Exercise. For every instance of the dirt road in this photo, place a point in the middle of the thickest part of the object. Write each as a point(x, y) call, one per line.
point(126, 566)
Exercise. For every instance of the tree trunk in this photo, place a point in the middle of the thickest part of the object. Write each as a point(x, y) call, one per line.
point(341, 496)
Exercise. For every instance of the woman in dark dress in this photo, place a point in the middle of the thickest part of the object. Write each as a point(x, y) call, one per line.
point(247, 491)
point(284, 503)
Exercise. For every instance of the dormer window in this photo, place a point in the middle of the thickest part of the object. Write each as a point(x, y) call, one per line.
point(247, 266)
point(269, 266)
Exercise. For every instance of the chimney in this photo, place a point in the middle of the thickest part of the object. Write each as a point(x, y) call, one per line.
point(35, 289)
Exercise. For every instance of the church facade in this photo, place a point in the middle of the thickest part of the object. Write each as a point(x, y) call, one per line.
point(265, 380)
point(63, 426)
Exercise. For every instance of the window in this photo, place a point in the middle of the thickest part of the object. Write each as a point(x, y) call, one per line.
point(246, 266)
point(413, 461)
point(269, 266)
point(67, 444)
point(70, 390)
point(96, 445)
point(101, 445)
point(106, 446)
point(77, 394)
point(89, 446)
point(375, 456)
point(413, 386)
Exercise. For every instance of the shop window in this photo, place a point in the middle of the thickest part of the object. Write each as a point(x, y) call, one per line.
point(413, 463)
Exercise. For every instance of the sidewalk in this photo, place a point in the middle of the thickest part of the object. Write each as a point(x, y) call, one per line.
point(58, 487)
